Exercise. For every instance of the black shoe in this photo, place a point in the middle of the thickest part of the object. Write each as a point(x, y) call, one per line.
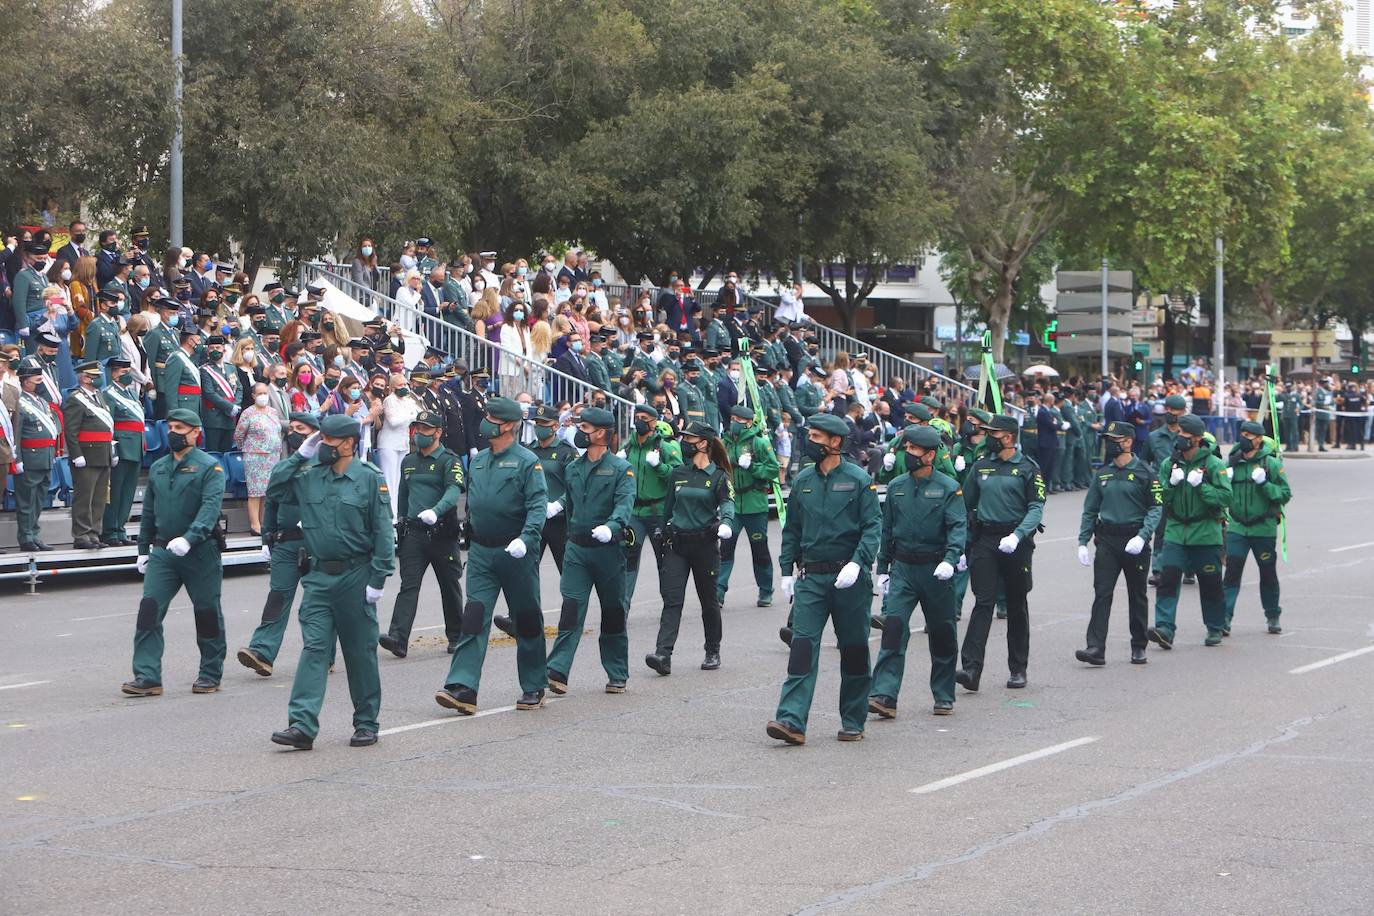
point(1274, 627)
point(111, 542)
point(967, 681)
point(293, 737)
point(1153, 580)
point(877, 621)
point(711, 662)
point(849, 734)
point(785, 634)
point(250, 659)
point(503, 623)
point(943, 708)
point(785, 733)
point(85, 544)
point(558, 682)
point(205, 685)
point(1001, 615)
point(663, 664)
point(1226, 631)
point(1213, 638)
point(1160, 638)
point(1016, 681)
point(1089, 657)
point(452, 648)
point(530, 699)
point(29, 547)
point(43, 546)
point(392, 645)
point(1189, 579)
point(142, 687)
point(460, 699)
point(615, 686)
point(362, 738)
point(1138, 656)
point(884, 707)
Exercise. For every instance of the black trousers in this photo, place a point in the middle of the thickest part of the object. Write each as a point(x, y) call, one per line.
point(555, 539)
point(1158, 541)
point(987, 567)
point(416, 553)
point(1111, 561)
point(702, 560)
point(1045, 457)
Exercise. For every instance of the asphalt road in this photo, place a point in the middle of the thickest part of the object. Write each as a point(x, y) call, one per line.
point(1230, 780)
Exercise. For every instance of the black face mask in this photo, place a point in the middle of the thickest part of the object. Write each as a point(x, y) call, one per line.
point(177, 441)
point(79, 238)
point(689, 450)
point(1243, 446)
point(641, 426)
point(813, 450)
point(109, 246)
point(582, 439)
point(1171, 419)
point(915, 462)
point(1113, 450)
point(294, 440)
point(1182, 445)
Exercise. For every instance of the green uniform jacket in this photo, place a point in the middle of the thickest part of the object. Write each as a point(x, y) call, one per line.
point(276, 318)
point(433, 481)
point(600, 492)
point(125, 406)
point(943, 463)
point(507, 497)
point(219, 408)
point(787, 403)
point(158, 344)
point(691, 401)
point(699, 497)
point(968, 451)
point(102, 339)
point(596, 372)
point(772, 410)
point(343, 516)
point(1195, 513)
point(708, 385)
point(26, 294)
point(554, 459)
point(754, 484)
point(1161, 444)
point(717, 337)
point(641, 360)
point(1009, 492)
point(84, 412)
point(182, 500)
point(831, 517)
point(179, 379)
point(36, 422)
point(651, 483)
point(809, 399)
point(1256, 508)
point(1087, 416)
point(1128, 495)
point(923, 515)
point(615, 364)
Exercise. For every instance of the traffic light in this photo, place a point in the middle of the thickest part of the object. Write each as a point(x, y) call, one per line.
point(1051, 336)
point(1357, 361)
point(1138, 365)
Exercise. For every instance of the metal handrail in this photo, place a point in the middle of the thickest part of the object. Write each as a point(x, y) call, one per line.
point(546, 382)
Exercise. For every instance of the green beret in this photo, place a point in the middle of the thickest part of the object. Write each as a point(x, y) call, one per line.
point(924, 436)
point(1191, 424)
point(829, 424)
point(1175, 402)
point(933, 403)
point(742, 412)
point(919, 412)
point(182, 415)
point(340, 426)
point(428, 418)
point(698, 430)
point(309, 419)
point(504, 409)
point(598, 417)
point(1251, 427)
point(1119, 429)
point(1003, 423)
point(647, 411)
point(978, 416)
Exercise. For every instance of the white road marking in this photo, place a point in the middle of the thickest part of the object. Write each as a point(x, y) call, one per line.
point(455, 717)
point(1352, 547)
point(104, 616)
point(1056, 540)
point(25, 684)
point(437, 626)
point(1001, 765)
point(1333, 660)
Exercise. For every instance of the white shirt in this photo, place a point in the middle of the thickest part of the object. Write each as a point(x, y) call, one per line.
point(397, 415)
point(790, 308)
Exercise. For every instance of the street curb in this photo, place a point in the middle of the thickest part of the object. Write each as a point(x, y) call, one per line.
point(1332, 455)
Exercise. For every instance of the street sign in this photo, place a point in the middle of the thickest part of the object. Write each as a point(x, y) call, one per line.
point(1324, 338)
point(1304, 350)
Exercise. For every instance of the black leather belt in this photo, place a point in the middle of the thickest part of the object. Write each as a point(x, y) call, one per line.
point(903, 556)
point(337, 567)
point(998, 530)
point(1103, 528)
point(487, 542)
point(642, 503)
point(585, 539)
point(286, 534)
point(825, 568)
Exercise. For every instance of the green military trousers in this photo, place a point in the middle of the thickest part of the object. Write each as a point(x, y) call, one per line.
point(914, 583)
point(602, 567)
point(755, 525)
point(335, 607)
point(1205, 561)
point(817, 599)
point(30, 492)
point(90, 493)
point(123, 483)
point(1238, 547)
point(283, 576)
point(200, 573)
point(491, 572)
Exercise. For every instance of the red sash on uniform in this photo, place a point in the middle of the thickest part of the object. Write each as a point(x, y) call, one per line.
point(37, 443)
point(94, 435)
point(188, 389)
point(129, 426)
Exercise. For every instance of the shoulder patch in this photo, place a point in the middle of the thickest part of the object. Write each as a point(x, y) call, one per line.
point(381, 488)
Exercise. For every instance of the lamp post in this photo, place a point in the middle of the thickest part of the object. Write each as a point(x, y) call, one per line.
point(174, 172)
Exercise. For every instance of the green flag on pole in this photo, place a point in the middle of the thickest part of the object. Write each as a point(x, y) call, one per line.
point(987, 376)
point(1269, 408)
point(749, 394)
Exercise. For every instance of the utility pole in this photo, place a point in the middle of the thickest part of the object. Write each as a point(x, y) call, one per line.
point(1220, 327)
point(1106, 368)
point(174, 221)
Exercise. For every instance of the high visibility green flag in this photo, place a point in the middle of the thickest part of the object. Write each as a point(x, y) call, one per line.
point(749, 393)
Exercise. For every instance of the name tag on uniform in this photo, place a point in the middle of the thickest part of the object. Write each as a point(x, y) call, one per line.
point(188, 470)
point(508, 464)
point(843, 487)
point(932, 494)
point(603, 472)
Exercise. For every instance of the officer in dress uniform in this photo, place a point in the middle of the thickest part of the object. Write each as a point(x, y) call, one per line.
point(219, 396)
point(102, 333)
point(834, 526)
point(426, 394)
point(458, 409)
point(37, 428)
point(599, 493)
point(754, 471)
point(1120, 513)
point(181, 378)
point(26, 293)
point(506, 509)
point(427, 528)
point(924, 525)
point(179, 544)
point(89, 431)
point(276, 314)
point(126, 407)
point(282, 538)
point(349, 553)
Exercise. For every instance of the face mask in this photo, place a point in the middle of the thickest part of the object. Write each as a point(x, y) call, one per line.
point(278, 299)
point(914, 460)
point(489, 429)
point(625, 320)
point(641, 426)
point(120, 379)
point(738, 429)
point(184, 295)
point(1113, 450)
point(669, 384)
point(521, 271)
point(367, 251)
point(142, 282)
point(260, 400)
point(327, 455)
point(1182, 444)
point(79, 238)
point(177, 441)
point(734, 375)
point(813, 450)
point(305, 378)
point(1244, 445)
point(551, 267)
point(279, 382)
point(577, 346)
point(402, 392)
point(582, 439)
point(108, 246)
point(478, 287)
point(216, 355)
point(354, 393)
point(423, 442)
point(142, 244)
point(545, 433)
point(482, 384)
point(518, 314)
point(689, 449)
point(173, 321)
point(66, 274)
point(331, 383)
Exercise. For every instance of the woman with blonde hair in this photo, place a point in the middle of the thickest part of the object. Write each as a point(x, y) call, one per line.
point(409, 295)
point(541, 344)
point(244, 359)
point(399, 410)
point(83, 291)
point(131, 348)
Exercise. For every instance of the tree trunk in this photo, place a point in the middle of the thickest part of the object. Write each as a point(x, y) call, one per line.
point(999, 314)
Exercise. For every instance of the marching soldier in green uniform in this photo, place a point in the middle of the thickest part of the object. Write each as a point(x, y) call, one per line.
point(281, 545)
point(89, 430)
point(1259, 491)
point(179, 544)
point(1197, 493)
point(834, 526)
point(102, 333)
point(968, 449)
point(1005, 496)
point(506, 509)
point(652, 455)
point(1161, 445)
point(219, 387)
point(1120, 513)
point(554, 457)
point(181, 378)
point(894, 455)
point(38, 429)
point(126, 408)
point(599, 499)
point(755, 471)
point(924, 524)
point(349, 553)
point(428, 531)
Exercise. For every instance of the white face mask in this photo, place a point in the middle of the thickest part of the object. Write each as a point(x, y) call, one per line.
point(66, 274)
point(154, 319)
point(260, 400)
point(551, 266)
point(734, 375)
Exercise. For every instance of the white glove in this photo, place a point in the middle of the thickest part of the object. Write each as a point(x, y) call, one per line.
point(620, 454)
point(18, 468)
point(373, 595)
point(310, 447)
point(236, 411)
point(602, 533)
point(141, 564)
point(1176, 477)
point(1064, 424)
point(1258, 475)
point(884, 583)
point(179, 547)
point(943, 571)
point(962, 565)
point(79, 461)
point(960, 463)
point(553, 508)
point(1009, 543)
point(114, 460)
point(848, 575)
point(428, 517)
point(789, 585)
point(1135, 545)
point(516, 549)
point(23, 332)
point(653, 458)
point(1195, 477)
point(1085, 556)
point(745, 460)
point(724, 532)
point(472, 453)
point(266, 554)
point(889, 460)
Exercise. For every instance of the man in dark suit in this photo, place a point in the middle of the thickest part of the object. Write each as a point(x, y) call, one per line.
point(727, 394)
point(1047, 426)
point(75, 249)
point(681, 309)
point(572, 363)
point(107, 258)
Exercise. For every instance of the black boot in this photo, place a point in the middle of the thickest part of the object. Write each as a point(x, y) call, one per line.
point(943, 708)
point(362, 738)
point(785, 634)
point(712, 660)
point(1017, 680)
point(967, 681)
point(530, 699)
point(1089, 657)
point(558, 682)
point(1138, 656)
point(503, 623)
point(142, 687)
point(293, 737)
point(205, 685)
point(460, 699)
point(884, 707)
point(663, 664)
point(392, 645)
